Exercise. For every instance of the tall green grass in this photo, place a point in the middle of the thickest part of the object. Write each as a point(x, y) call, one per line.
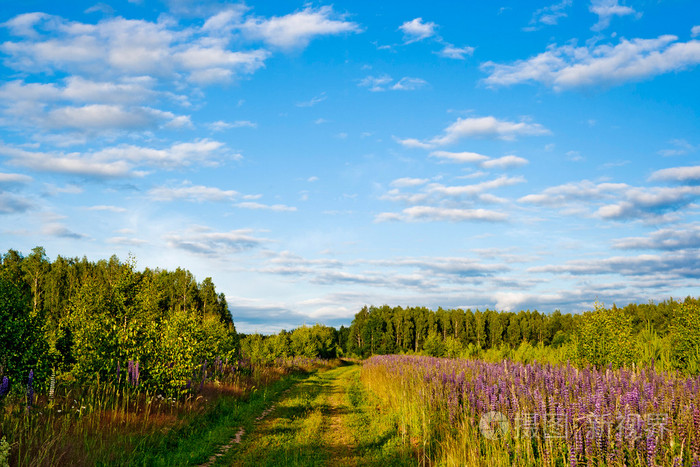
point(105, 423)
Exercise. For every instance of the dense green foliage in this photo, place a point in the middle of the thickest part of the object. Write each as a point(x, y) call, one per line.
point(666, 334)
point(87, 320)
point(306, 341)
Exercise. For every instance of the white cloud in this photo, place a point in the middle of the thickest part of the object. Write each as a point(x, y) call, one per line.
point(268, 207)
point(458, 53)
point(678, 174)
point(606, 9)
point(481, 160)
point(439, 202)
point(569, 66)
point(504, 162)
point(207, 242)
point(616, 201)
point(220, 125)
point(313, 101)
point(383, 83)
point(14, 179)
point(680, 147)
point(110, 117)
point(469, 157)
point(676, 238)
point(408, 182)
point(55, 229)
point(417, 30)
point(108, 208)
point(376, 83)
point(549, 15)
point(434, 213)
point(198, 193)
point(482, 127)
point(649, 202)
point(298, 29)
point(413, 143)
point(121, 47)
point(72, 163)
point(118, 161)
point(409, 84)
point(677, 264)
point(13, 204)
point(126, 241)
point(79, 89)
point(695, 31)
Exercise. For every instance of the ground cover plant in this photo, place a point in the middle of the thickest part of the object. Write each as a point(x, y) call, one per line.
point(466, 411)
point(107, 423)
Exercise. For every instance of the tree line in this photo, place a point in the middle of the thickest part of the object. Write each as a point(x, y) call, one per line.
point(666, 333)
point(86, 320)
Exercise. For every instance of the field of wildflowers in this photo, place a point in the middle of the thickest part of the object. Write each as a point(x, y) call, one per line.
point(472, 412)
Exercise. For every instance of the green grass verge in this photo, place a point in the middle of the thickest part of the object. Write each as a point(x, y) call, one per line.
point(205, 433)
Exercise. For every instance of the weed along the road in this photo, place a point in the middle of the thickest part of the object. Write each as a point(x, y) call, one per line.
point(325, 419)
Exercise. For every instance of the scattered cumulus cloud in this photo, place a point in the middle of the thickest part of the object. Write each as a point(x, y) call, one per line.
point(549, 15)
point(107, 208)
point(689, 174)
point(479, 127)
point(221, 125)
point(435, 213)
point(386, 83)
point(457, 53)
point(409, 84)
point(268, 207)
point(680, 148)
point(14, 204)
point(417, 30)
point(205, 241)
point(481, 160)
point(409, 182)
point(571, 66)
point(615, 201)
point(440, 202)
point(313, 101)
point(55, 229)
point(679, 237)
point(197, 193)
point(681, 264)
point(298, 29)
point(117, 161)
point(606, 10)
point(9, 179)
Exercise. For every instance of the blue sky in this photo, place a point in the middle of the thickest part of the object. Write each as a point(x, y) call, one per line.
point(313, 158)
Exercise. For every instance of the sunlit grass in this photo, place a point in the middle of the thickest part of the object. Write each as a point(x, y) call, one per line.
point(85, 424)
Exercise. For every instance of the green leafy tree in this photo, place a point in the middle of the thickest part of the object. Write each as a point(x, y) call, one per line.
point(606, 337)
point(685, 337)
point(22, 344)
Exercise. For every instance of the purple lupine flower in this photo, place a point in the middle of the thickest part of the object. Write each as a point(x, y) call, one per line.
point(119, 372)
point(130, 371)
point(651, 446)
point(133, 373)
point(5, 386)
point(30, 388)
